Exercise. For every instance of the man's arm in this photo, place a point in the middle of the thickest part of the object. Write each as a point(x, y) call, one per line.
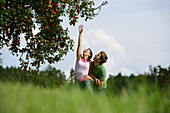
point(96, 80)
point(90, 72)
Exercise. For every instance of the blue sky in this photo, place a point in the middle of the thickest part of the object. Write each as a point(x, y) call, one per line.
point(134, 34)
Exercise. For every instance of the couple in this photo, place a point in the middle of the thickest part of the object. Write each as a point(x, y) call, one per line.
point(87, 71)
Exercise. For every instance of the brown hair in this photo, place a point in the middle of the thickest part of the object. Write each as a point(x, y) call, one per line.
point(103, 57)
point(91, 54)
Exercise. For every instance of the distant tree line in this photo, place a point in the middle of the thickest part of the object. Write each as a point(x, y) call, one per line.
point(50, 77)
point(157, 77)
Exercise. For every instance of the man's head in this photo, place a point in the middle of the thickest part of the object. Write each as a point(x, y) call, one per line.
point(100, 57)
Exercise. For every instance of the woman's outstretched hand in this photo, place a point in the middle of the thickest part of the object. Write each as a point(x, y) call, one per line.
point(81, 28)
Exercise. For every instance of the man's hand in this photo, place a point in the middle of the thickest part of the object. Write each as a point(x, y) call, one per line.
point(97, 81)
point(81, 28)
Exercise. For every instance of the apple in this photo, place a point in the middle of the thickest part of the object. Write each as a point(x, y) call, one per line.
point(46, 27)
point(78, 10)
point(63, 6)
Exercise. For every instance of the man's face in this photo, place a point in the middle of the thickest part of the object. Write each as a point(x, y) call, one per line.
point(97, 57)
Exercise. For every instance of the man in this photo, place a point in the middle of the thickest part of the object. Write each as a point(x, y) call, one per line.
point(98, 72)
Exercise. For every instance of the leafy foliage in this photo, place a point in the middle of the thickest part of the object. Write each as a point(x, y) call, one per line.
point(115, 84)
point(52, 42)
point(158, 77)
point(48, 78)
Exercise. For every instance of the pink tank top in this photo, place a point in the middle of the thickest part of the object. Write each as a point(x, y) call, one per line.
point(82, 68)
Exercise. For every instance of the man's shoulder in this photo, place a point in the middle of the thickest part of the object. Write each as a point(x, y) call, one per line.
point(102, 67)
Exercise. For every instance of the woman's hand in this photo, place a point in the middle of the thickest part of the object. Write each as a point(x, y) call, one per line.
point(81, 28)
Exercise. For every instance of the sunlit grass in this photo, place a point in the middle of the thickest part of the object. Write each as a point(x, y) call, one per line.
point(18, 98)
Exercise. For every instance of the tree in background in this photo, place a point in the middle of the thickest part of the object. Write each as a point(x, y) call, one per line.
point(52, 42)
point(71, 79)
point(1, 60)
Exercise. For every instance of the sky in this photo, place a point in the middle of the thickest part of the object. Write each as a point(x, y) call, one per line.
point(134, 34)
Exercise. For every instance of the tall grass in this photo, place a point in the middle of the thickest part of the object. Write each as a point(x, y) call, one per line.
point(18, 98)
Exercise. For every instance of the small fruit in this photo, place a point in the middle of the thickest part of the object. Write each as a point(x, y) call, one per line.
point(78, 10)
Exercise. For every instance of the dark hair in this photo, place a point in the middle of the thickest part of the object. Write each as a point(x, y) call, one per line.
point(103, 57)
point(91, 54)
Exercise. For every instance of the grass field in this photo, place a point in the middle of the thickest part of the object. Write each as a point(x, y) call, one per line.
point(18, 98)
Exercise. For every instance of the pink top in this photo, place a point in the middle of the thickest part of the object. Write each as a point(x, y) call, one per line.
point(82, 68)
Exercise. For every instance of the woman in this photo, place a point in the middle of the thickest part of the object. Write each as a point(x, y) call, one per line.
point(83, 64)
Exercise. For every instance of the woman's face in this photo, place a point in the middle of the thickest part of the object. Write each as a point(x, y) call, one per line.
point(86, 52)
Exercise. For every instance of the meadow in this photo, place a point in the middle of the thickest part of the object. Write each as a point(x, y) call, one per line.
point(28, 98)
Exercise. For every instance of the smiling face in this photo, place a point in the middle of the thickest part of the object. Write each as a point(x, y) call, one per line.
point(97, 57)
point(86, 52)
point(100, 57)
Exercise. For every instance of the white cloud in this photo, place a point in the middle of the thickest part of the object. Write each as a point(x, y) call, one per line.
point(98, 41)
point(126, 72)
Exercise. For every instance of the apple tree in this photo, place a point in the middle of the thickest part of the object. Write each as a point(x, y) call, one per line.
point(52, 41)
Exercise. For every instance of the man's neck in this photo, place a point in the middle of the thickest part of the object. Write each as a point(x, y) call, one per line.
point(96, 63)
